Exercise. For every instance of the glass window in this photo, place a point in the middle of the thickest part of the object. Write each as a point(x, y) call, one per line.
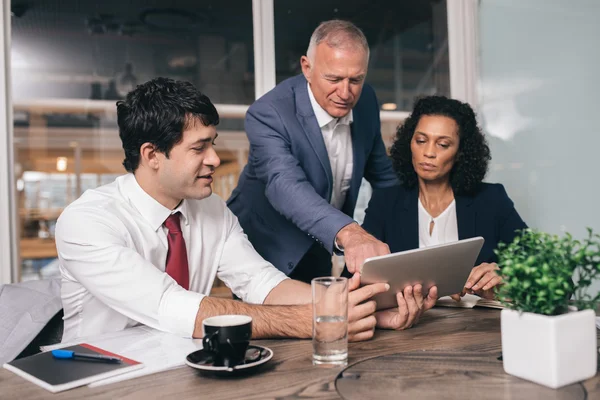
point(101, 50)
point(408, 41)
point(71, 60)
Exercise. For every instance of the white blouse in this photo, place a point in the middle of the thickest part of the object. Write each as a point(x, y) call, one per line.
point(445, 226)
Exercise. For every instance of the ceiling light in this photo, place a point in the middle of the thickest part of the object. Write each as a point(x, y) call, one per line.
point(61, 164)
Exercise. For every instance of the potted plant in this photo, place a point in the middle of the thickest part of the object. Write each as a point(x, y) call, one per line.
point(548, 324)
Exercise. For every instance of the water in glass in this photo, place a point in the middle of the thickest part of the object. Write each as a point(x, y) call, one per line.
point(330, 340)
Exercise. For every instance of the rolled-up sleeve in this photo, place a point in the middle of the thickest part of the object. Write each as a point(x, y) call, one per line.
point(242, 269)
point(98, 256)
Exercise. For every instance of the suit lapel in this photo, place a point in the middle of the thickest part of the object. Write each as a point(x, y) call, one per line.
point(465, 217)
point(306, 117)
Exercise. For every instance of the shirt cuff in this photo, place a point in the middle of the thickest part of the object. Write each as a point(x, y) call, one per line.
point(178, 314)
point(337, 250)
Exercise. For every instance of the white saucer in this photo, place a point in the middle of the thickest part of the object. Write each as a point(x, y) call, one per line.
point(203, 361)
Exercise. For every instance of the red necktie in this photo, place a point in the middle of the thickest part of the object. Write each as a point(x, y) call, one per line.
point(177, 262)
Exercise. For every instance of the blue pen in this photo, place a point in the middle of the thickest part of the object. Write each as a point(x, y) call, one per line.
point(71, 355)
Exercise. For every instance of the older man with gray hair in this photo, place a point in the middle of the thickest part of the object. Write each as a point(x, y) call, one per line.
point(312, 140)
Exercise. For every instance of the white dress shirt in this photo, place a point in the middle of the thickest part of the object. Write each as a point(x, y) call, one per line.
point(338, 141)
point(445, 227)
point(112, 247)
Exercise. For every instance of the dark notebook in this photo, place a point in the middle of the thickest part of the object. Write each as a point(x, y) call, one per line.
point(57, 375)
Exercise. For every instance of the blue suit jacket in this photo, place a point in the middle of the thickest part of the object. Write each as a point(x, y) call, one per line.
point(393, 217)
point(282, 197)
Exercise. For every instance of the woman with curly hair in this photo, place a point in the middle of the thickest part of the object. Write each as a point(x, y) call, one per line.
point(441, 157)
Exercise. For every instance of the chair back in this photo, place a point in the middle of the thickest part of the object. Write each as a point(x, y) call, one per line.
point(31, 315)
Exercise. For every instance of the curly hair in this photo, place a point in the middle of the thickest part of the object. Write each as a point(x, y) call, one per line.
point(473, 155)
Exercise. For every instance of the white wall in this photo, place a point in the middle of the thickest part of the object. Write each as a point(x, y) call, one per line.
point(539, 105)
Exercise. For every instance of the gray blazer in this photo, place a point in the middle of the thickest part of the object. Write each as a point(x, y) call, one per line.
point(25, 309)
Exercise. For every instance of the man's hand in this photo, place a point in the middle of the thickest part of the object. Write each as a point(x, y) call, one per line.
point(411, 305)
point(361, 319)
point(358, 246)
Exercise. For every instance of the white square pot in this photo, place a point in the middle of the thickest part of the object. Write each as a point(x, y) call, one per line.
point(553, 351)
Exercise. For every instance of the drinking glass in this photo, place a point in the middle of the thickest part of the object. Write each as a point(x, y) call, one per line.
point(330, 321)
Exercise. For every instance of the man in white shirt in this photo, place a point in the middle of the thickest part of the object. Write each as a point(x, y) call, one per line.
point(147, 247)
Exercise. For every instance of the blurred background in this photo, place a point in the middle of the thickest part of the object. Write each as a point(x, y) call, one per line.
point(527, 66)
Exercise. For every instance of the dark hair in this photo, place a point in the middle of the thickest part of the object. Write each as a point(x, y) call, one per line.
point(471, 163)
point(158, 112)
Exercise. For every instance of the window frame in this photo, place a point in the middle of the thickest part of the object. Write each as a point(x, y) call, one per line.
point(8, 232)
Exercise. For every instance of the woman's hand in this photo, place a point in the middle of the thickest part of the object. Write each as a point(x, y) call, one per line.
point(482, 281)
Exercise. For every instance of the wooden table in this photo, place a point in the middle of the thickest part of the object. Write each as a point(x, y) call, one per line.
point(450, 337)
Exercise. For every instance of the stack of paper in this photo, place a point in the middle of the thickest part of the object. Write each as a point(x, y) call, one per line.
point(157, 350)
point(468, 301)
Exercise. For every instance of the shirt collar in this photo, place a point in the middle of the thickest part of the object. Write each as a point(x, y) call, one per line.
point(154, 212)
point(323, 118)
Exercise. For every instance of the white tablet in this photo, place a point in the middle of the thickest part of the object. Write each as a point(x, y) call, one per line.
point(446, 266)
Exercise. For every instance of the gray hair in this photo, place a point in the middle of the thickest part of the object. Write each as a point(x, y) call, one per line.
point(338, 34)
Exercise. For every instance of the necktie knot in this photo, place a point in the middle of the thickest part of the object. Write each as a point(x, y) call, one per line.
point(173, 223)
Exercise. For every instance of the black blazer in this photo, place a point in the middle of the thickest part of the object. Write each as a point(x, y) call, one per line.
point(393, 217)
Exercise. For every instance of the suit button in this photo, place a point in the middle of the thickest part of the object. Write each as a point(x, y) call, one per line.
point(290, 265)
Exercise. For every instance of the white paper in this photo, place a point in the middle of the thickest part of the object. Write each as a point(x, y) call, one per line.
point(157, 350)
point(468, 301)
